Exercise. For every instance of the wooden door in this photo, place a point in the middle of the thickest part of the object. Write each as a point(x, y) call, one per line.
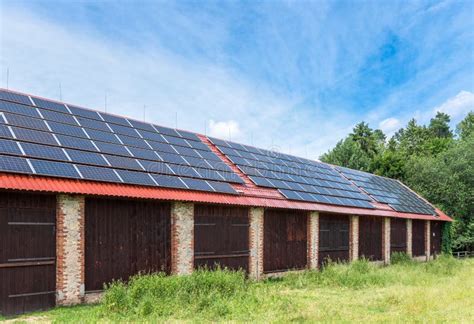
point(27, 252)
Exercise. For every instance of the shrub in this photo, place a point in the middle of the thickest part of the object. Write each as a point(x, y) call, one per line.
point(400, 258)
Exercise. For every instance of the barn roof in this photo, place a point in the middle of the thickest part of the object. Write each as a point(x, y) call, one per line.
point(51, 146)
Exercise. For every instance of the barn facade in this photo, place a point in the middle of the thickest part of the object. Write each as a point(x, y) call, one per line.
point(88, 197)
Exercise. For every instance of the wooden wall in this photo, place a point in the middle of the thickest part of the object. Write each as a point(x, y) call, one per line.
point(221, 237)
point(333, 238)
point(370, 237)
point(125, 237)
point(285, 240)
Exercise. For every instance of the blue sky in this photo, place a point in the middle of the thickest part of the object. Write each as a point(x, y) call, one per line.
point(294, 76)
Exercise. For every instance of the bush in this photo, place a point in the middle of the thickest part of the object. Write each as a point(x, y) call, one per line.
point(211, 292)
point(400, 258)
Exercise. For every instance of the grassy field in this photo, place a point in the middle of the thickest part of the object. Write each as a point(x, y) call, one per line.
point(438, 291)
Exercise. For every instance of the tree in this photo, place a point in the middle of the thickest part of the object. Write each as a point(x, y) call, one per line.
point(466, 127)
point(439, 125)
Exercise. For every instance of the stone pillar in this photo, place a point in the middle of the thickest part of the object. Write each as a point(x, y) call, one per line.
point(427, 240)
point(354, 238)
point(256, 242)
point(386, 240)
point(182, 238)
point(409, 237)
point(313, 239)
point(70, 248)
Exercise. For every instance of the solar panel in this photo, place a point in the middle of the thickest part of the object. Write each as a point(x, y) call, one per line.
point(57, 169)
point(91, 123)
point(152, 136)
point(169, 181)
point(139, 178)
point(58, 117)
point(75, 142)
point(186, 151)
point(156, 167)
point(183, 170)
point(18, 109)
point(143, 154)
point(115, 119)
point(23, 121)
point(196, 184)
point(118, 129)
point(166, 131)
point(50, 105)
point(142, 125)
point(102, 136)
point(84, 157)
point(133, 141)
point(5, 132)
point(14, 164)
point(162, 147)
point(10, 147)
point(176, 140)
point(43, 151)
point(188, 135)
point(65, 129)
point(84, 112)
point(112, 148)
point(30, 135)
point(11, 96)
point(98, 173)
point(222, 187)
point(123, 162)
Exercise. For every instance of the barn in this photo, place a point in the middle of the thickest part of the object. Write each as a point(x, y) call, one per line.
point(87, 197)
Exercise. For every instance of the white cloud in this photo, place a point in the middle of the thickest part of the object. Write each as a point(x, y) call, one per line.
point(389, 125)
point(457, 106)
point(225, 129)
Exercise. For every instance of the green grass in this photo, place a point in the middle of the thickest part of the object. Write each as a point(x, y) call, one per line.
point(441, 291)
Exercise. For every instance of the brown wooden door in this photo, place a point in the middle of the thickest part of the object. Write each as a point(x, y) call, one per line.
point(436, 238)
point(221, 237)
point(125, 237)
point(398, 235)
point(285, 240)
point(333, 238)
point(370, 237)
point(418, 237)
point(27, 252)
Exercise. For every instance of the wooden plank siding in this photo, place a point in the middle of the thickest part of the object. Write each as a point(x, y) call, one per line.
point(370, 238)
point(436, 237)
point(285, 240)
point(27, 252)
point(333, 238)
point(398, 235)
point(125, 237)
point(221, 237)
point(418, 237)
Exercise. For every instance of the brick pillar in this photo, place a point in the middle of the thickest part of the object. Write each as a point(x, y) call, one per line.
point(386, 240)
point(182, 238)
point(427, 240)
point(409, 237)
point(313, 239)
point(70, 246)
point(354, 238)
point(256, 242)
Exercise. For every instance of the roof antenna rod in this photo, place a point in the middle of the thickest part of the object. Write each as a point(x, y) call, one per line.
point(176, 120)
point(60, 92)
point(8, 76)
point(144, 113)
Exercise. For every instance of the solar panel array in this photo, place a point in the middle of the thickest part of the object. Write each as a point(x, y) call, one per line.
point(388, 191)
point(43, 137)
point(296, 178)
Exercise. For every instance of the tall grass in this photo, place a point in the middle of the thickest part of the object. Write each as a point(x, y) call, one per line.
point(228, 295)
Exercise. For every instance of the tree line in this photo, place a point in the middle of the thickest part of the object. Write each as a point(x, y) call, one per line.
point(434, 160)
